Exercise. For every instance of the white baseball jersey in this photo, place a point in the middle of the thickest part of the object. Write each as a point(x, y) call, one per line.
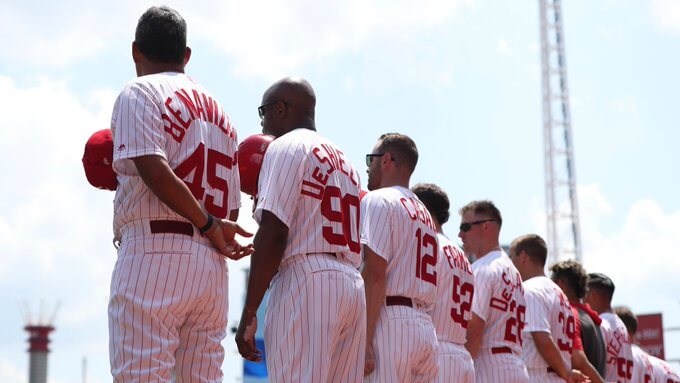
point(172, 116)
point(619, 353)
point(169, 291)
point(315, 325)
point(451, 313)
point(663, 372)
point(308, 183)
point(643, 371)
point(455, 289)
point(499, 301)
point(399, 229)
point(548, 310)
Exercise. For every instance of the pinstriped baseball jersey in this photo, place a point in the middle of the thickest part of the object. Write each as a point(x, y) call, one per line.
point(399, 229)
point(455, 289)
point(169, 291)
point(548, 310)
point(663, 372)
point(499, 301)
point(619, 353)
point(308, 183)
point(172, 116)
point(643, 371)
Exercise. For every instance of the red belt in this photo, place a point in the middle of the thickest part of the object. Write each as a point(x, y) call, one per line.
point(173, 227)
point(396, 300)
point(501, 350)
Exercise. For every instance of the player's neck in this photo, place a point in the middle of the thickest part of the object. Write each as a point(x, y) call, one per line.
point(533, 274)
point(488, 248)
point(153, 68)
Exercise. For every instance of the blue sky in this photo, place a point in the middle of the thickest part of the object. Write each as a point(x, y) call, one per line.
point(462, 77)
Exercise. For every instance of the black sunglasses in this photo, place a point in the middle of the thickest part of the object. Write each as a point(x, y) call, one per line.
point(467, 226)
point(260, 109)
point(369, 157)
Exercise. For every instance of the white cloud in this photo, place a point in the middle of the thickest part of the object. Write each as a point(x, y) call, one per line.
point(10, 374)
point(286, 34)
point(666, 14)
point(638, 253)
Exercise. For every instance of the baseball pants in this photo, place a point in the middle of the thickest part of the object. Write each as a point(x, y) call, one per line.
point(506, 368)
point(541, 375)
point(455, 364)
point(405, 347)
point(167, 311)
point(315, 325)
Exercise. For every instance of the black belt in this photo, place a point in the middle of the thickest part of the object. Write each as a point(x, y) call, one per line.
point(501, 350)
point(550, 369)
point(396, 300)
point(172, 227)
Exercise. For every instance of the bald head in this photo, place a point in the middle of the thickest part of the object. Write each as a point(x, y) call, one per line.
point(288, 104)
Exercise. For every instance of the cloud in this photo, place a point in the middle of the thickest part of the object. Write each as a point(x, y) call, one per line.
point(666, 14)
point(287, 34)
point(9, 373)
point(637, 252)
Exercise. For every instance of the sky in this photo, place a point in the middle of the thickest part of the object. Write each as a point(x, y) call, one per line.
point(461, 77)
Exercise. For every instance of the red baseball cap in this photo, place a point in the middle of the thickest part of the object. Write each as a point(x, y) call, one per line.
point(98, 160)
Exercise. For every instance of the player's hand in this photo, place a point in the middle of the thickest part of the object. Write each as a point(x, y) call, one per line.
point(245, 338)
point(369, 364)
point(222, 234)
point(577, 376)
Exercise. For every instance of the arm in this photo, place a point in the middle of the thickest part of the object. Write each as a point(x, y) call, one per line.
point(580, 362)
point(270, 243)
point(474, 335)
point(172, 191)
point(551, 354)
point(375, 279)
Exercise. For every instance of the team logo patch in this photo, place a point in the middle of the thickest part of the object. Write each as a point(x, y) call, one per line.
point(121, 147)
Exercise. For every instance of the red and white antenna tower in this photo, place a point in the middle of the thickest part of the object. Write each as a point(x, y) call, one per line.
point(39, 330)
point(562, 214)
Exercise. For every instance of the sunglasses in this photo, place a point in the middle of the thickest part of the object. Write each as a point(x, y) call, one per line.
point(467, 226)
point(369, 158)
point(261, 108)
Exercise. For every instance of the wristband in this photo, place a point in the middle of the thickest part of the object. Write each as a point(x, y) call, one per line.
point(207, 226)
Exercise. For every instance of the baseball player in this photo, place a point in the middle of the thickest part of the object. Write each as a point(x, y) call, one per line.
point(663, 372)
point(307, 246)
point(494, 336)
point(455, 289)
point(401, 252)
point(589, 353)
point(550, 326)
point(620, 363)
point(174, 153)
point(643, 370)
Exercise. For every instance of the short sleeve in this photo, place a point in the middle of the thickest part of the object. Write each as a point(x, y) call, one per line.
point(137, 128)
point(281, 180)
point(482, 296)
point(375, 224)
point(536, 313)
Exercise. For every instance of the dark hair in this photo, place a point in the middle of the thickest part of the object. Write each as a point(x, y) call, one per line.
point(161, 35)
point(485, 208)
point(628, 318)
point(434, 199)
point(401, 147)
point(573, 273)
point(602, 283)
point(533, 245)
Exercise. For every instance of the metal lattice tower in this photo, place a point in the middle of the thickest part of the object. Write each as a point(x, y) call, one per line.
point(564, 235)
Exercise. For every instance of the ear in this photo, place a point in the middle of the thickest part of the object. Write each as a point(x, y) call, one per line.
point(187, 56)
point(136, 53)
